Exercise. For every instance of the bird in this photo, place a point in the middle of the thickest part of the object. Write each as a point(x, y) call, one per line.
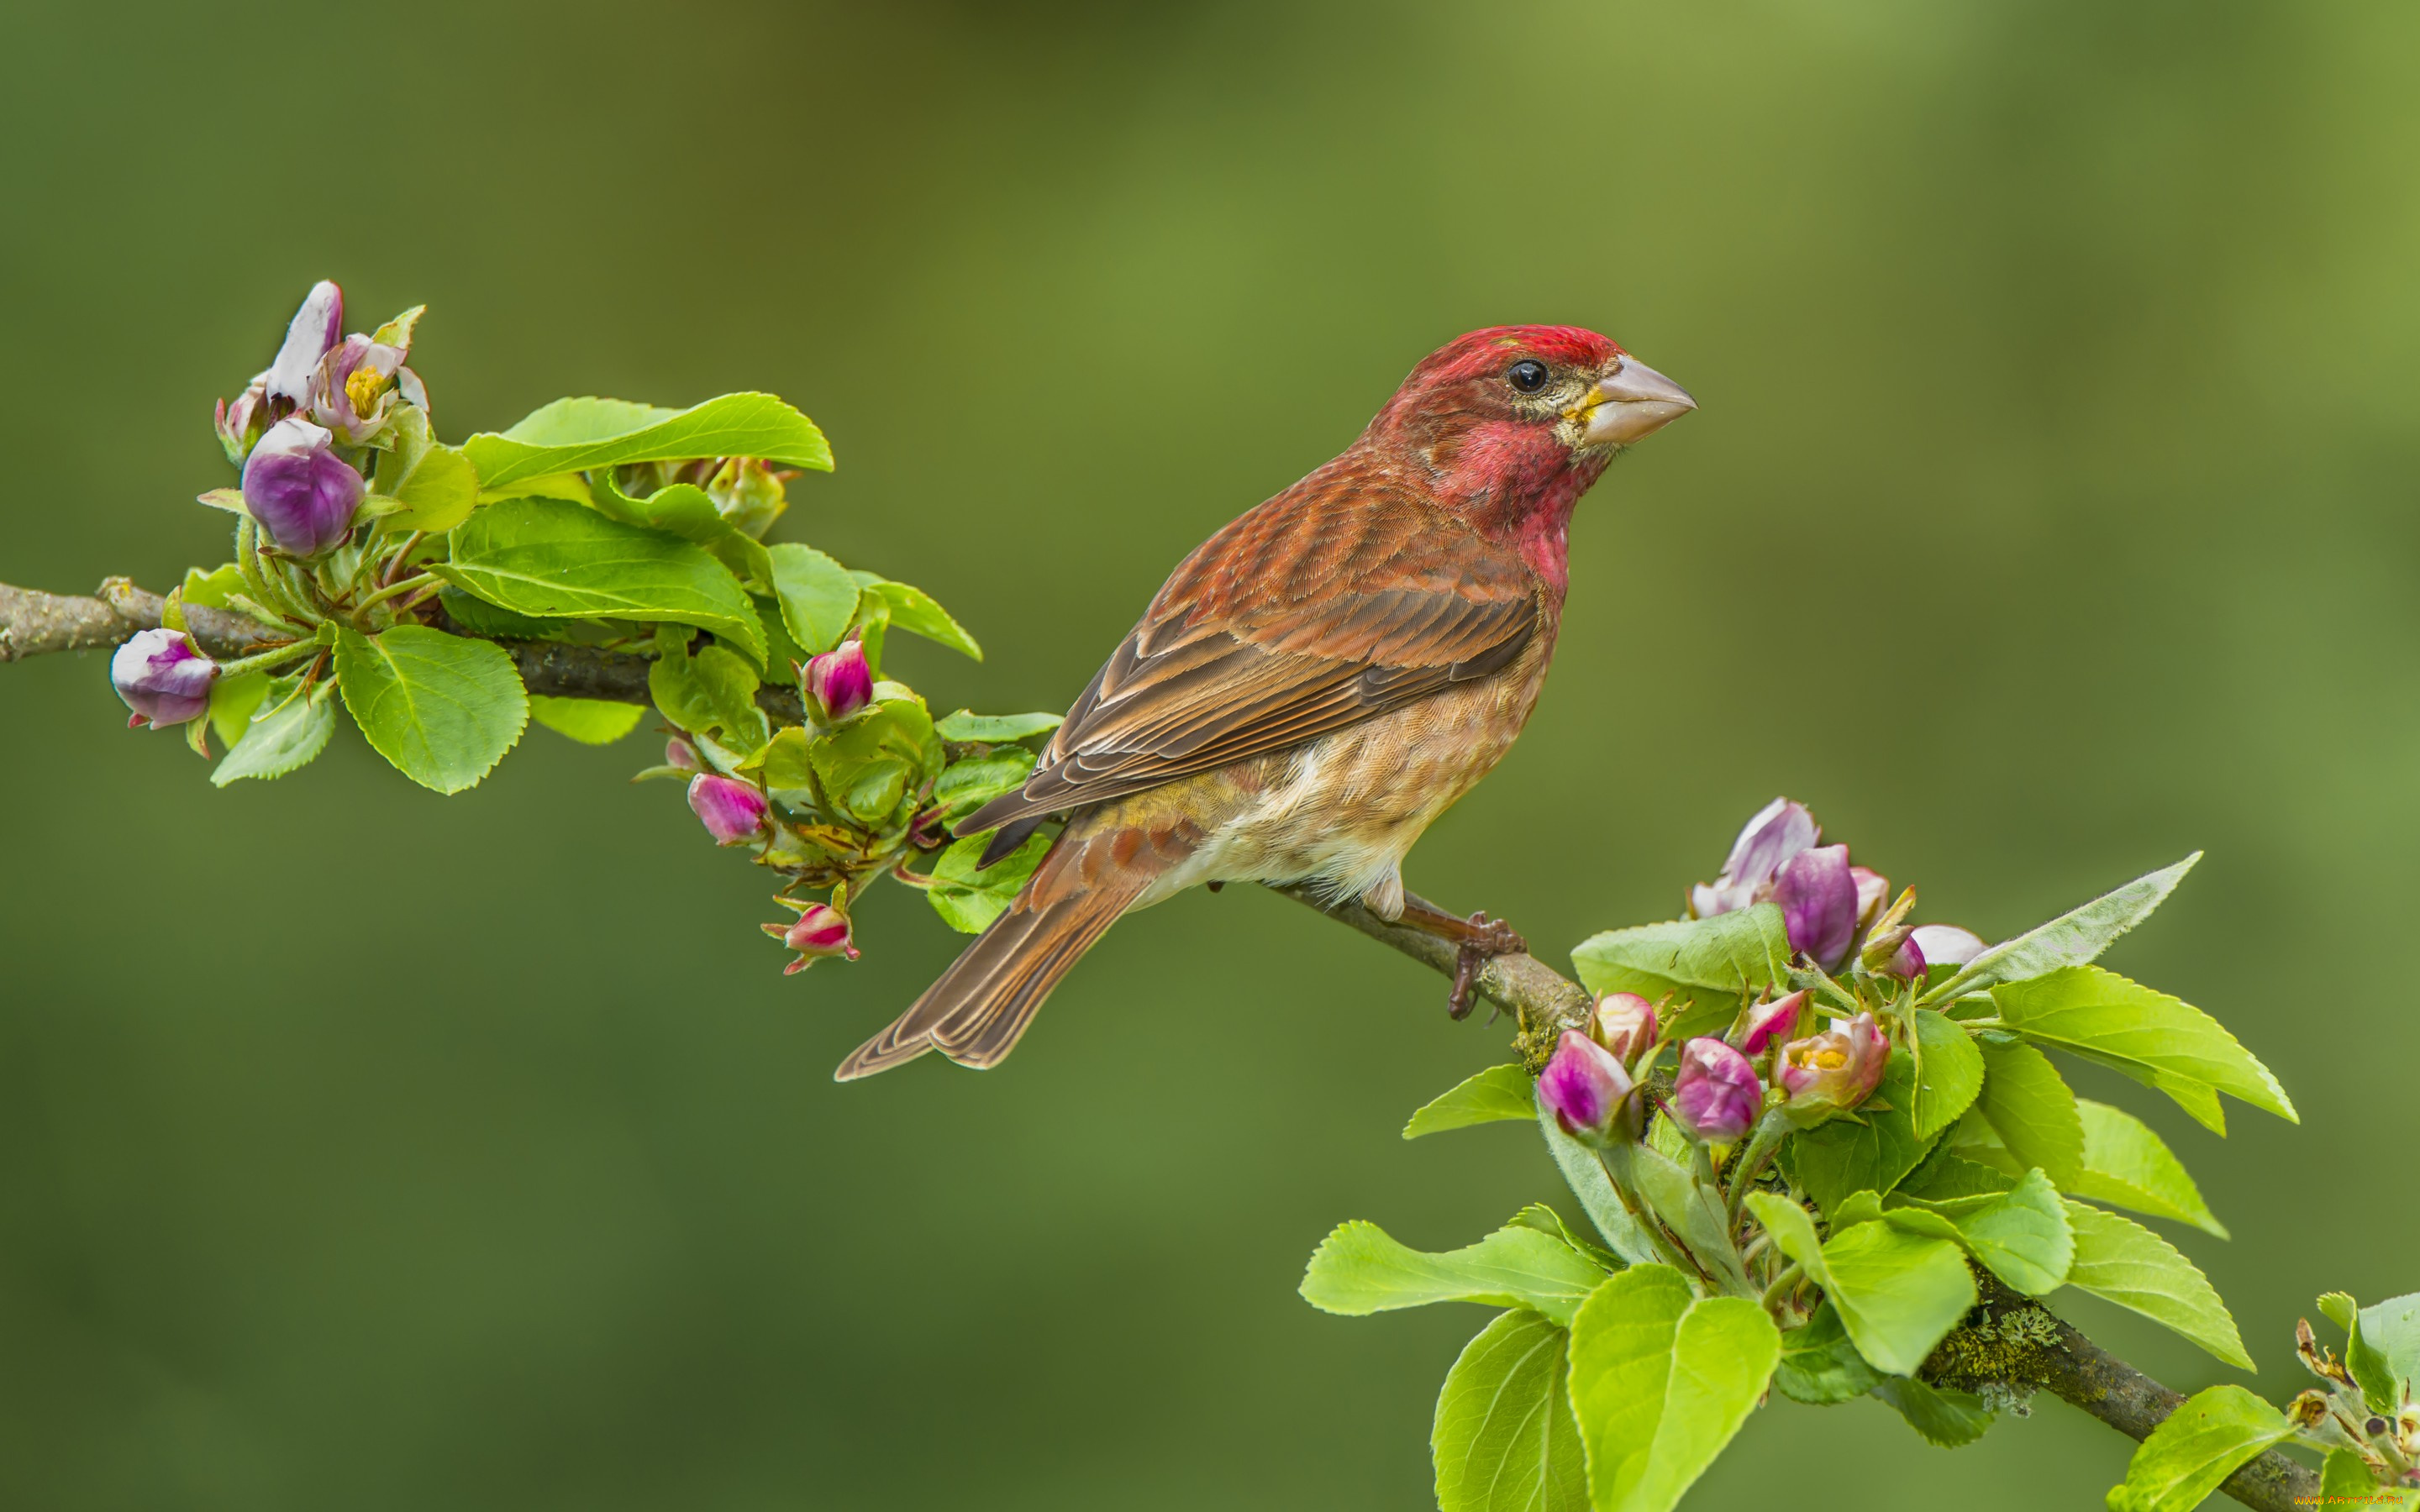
point(1315, 684)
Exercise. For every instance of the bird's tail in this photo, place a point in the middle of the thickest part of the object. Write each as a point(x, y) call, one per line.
point(977, 1009)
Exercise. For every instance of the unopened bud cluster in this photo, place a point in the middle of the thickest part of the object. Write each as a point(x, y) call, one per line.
point(302, 428)
point(2338, 1414)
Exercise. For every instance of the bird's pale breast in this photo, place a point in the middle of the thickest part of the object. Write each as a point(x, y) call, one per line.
point(1342, 810)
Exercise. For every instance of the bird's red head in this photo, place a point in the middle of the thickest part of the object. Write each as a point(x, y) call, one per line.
point(1507, 426)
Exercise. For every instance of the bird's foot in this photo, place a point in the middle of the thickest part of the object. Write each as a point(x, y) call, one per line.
point(1476, 940)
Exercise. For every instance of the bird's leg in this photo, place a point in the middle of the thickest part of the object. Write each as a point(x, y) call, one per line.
point(1475, 940)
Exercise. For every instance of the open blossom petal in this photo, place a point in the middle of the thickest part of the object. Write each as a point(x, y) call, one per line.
point(317, 328)
point(1873, 891)
point(1780, 830)
point(354, 389)
point(1837, 1069)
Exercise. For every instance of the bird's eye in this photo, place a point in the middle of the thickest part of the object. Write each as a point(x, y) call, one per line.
point(1528, 376)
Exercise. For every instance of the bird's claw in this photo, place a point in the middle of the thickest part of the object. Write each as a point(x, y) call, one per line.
point(1487, 939)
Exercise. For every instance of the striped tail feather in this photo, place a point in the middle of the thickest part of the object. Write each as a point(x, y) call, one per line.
point(981, 1005)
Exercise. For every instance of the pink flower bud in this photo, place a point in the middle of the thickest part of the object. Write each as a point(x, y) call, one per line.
point(1716, 1097)
point(839, 680)
point(300, 491)
point(1625, 1024)
point(820, 931)
point(1835, 1070)
point(1819, 903)
point(240, 423)
point(1908, 960)
point(1947, 945)
point(163, 677)
point(731, 810)
point(1588, 1093)
point(1770, 1023)
point(680, 754)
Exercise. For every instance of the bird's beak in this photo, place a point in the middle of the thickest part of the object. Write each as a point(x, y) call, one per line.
point(1633, 400)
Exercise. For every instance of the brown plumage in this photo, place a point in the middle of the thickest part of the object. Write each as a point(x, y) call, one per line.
point(1318, 681)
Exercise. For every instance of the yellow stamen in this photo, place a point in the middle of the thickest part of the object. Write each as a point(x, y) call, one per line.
point(362, 390)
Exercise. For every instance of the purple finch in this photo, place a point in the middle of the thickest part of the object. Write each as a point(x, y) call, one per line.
point(1316, 683)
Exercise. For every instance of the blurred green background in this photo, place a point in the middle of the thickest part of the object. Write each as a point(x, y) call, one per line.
point(2050, 514)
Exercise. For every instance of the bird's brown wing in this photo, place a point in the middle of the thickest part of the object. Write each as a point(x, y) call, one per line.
point(1333, 602)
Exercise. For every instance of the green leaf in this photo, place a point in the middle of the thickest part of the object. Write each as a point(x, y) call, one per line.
point(686, 510)
point(967, 727)
point(818, 596)
point(2121, 1261)
point(444, 708)
point(1945, 1177)
point(1504, 1440)
point(212, 589)
point(2148, 1035)
point(478, 617)
point(1947, 1419)
point(869, 763)
point(2028, 1103)
point(2340, 1308)
point(1546, 1220)
point(1358, 1270)
point(282, 733)
point(1952, 1073)
point(2070, 940)
point(2345, 1480)
point(582, 435)
point(1498, 1093)
point(1691, 1210)
point(715, 689)
point(550, 560)
point(1869, 1152)
point(966, 785)
point(1820, 1365)
point(1661, 1381)
point(2127, 1166)
point(912, 610)
point(435, 483)
point(2384, 1351)
point(2022, 1234)
point(1586, 1177)
point(968, 900)
point(2196, 1447)
point(577, 421)
point(233, 701)
point(590, 722)
point(1793, 1232)
point(1712, 962)
point(1899, 1292)
point(569, 486)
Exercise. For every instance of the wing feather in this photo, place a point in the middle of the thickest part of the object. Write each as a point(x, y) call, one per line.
point(1341, 600)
